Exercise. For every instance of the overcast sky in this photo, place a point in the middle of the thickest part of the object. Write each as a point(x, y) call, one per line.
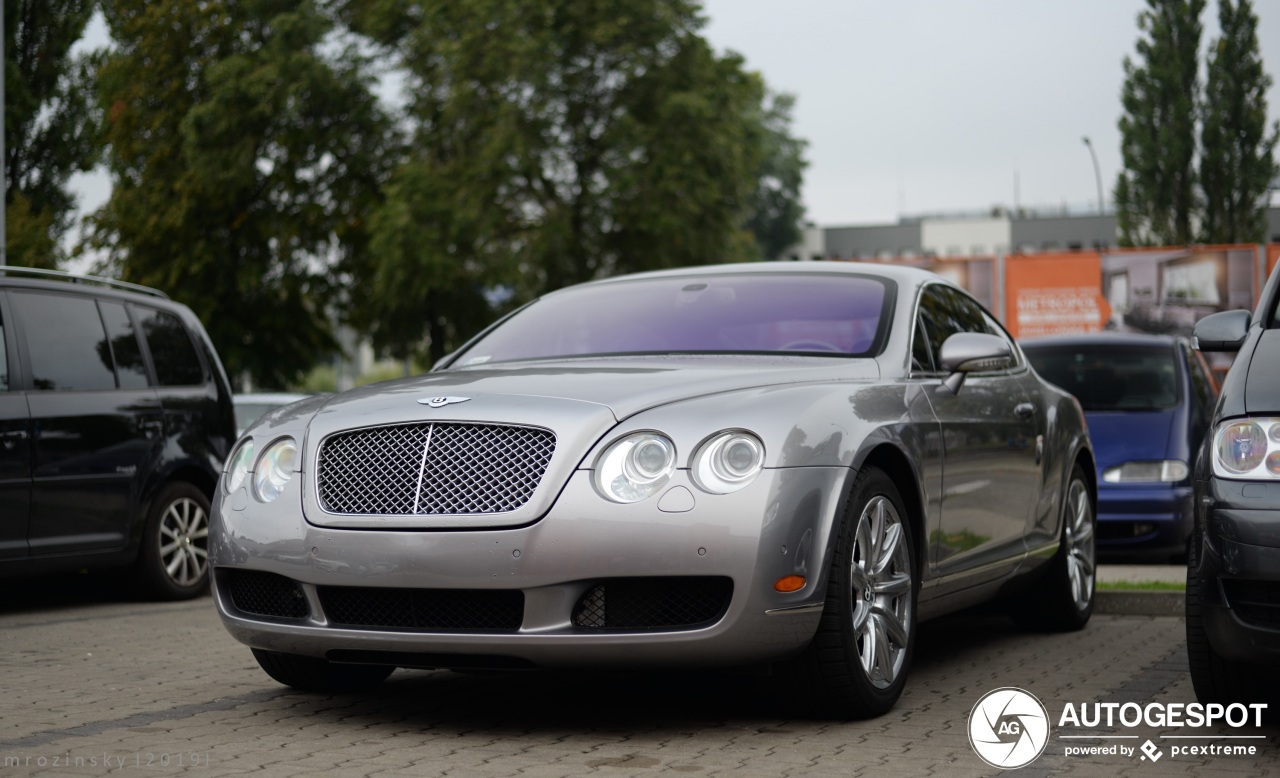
point(937, 105)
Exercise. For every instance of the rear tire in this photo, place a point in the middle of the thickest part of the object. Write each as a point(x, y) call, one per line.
point(173, 563)
point(1063, 600)
point(312, 674)
point(856, 665)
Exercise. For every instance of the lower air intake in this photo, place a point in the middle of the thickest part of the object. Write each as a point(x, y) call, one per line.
point(653, 603)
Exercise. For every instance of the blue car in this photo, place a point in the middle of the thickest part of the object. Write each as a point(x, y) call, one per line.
point(1147, 400)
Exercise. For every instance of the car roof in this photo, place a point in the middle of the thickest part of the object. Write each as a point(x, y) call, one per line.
point(1102, 339)
point(902, 274)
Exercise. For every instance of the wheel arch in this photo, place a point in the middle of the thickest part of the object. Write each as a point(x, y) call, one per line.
point(895, 463)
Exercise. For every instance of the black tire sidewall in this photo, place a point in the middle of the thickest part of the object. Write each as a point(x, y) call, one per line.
point(869, 699)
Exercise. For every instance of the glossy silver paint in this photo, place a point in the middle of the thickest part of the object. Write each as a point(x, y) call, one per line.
point(983, 473)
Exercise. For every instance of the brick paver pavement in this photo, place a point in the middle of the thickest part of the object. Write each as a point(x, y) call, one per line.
point(124, 688)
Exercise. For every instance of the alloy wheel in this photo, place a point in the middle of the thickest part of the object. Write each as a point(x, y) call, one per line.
point(1079, 542)
point(184, 540)
point(880, 574)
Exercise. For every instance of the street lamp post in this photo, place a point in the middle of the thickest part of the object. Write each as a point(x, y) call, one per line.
point(1097, 174)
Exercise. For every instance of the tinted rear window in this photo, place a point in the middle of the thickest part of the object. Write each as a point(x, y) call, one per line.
point(821, 314)
point(1111, 378)
point(172, 351)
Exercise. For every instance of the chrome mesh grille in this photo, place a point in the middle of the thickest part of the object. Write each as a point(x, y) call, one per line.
point(438, 469)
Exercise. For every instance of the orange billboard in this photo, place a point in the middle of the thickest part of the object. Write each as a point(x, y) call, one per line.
point(1054, 294)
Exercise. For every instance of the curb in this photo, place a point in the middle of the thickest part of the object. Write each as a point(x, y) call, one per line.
point(1118, 602)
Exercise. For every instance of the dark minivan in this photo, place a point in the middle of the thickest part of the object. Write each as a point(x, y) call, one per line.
point(1233, 569)
point(115, 418)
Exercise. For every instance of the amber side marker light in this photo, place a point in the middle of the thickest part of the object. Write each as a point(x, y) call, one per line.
point(789, 583)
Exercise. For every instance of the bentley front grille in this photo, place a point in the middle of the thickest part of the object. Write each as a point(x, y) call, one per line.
point(440, 469)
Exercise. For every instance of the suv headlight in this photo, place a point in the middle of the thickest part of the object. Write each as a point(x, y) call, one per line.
point(635, 467)
point(1167, 471)
point(1247, 449)
point(274, 469)
point(727, 462)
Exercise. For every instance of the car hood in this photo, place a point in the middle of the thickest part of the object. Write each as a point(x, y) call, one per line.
point(1129, 436)
point(577, 400)
point(625, 386)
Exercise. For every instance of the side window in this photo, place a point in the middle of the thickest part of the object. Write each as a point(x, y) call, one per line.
point(131, 371)
point(4, 359)
point(945, 312)
point(921, 358)
point(1201, 386)
point(65, 340)
point(172, 352)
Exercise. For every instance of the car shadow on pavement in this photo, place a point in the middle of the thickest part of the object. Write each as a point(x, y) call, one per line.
point(66, 591)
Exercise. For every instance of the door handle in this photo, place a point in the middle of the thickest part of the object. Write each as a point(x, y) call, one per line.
point(1025, 410)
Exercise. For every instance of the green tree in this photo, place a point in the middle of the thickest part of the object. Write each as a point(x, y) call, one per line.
point(554, 143)
point(247, 151)
point(1237, 163)
point(777, 212)
point(50, 128)
point(1155, 195)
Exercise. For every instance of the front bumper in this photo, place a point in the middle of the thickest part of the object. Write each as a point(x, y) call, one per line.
point(777, 526)
point(1239, 569)
point(1144, 520)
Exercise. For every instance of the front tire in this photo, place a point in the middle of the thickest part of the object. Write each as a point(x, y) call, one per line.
point(1063, 602)
point(857, 664)
point(312, 674)
point(173, 563)
point(1214, 679)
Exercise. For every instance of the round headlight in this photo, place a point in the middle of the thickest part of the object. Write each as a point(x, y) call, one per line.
point(238, 466)
point(274, 469)
point(727, 462)
point(635, 467)
point(1241, 447)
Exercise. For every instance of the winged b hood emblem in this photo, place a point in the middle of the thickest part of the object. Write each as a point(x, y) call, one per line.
point(440, 402)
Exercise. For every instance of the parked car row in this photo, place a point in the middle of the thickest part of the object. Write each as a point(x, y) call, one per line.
point(778, 464)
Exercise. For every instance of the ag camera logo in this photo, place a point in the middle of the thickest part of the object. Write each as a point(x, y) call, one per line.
point(1008, 728)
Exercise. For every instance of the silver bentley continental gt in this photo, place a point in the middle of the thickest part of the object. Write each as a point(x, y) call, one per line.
point(770, 465)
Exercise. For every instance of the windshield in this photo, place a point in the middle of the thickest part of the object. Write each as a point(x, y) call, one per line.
point(1110, 378)
point(827, 314)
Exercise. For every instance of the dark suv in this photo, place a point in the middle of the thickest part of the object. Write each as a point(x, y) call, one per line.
point(115, 418)
point(1233, 573)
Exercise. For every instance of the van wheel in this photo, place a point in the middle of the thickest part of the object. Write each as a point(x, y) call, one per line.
point(174, 560)
point(312, 674)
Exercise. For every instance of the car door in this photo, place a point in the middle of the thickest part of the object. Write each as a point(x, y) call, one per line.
point(990, 438)
point(94, 420)
point(15, 448)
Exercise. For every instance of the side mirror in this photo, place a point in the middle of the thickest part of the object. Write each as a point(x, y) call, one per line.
point(1223, 331)
point(973, 352)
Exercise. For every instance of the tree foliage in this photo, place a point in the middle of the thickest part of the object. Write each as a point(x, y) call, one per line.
point(557, 142)
point(1238, 162)
point(246, 150)
point(776, 211)
point(1156, 192)
point(50, 128)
